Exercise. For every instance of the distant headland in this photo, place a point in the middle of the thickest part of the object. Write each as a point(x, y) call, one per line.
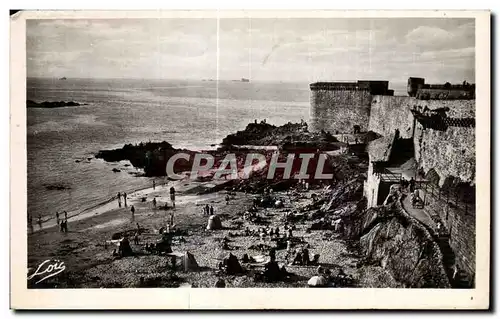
point(46, 104)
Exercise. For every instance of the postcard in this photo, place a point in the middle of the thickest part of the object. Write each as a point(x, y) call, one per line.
point(238, 159)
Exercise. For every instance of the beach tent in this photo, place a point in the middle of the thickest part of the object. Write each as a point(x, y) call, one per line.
point(189, 262)
point(317, 281)
point(214, 223)
point(232, 265)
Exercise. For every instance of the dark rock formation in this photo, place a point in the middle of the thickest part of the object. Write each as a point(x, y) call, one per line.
point(288, 137)
point(30, 103)
point(57, 187)
point(151, 156)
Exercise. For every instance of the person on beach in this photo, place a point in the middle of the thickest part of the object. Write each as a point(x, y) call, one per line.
point(125, 199)
point(154, 185)
point(57, 218)
point(154, 202)
point(136, 238)
point(132, 209)
point(207, 210)
point(211, 210)
point(172, 219)
point(138, 229)
point(172, 196)
point(40, 221)
point(119, 196)
point(65, 215)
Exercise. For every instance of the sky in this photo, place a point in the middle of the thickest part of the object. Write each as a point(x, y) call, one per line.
point(298, 50)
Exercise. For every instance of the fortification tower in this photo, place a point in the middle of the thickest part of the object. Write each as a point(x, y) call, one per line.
point(339, 106)
point(414, 84)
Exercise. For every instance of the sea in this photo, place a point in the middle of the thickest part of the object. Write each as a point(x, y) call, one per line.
point(62, 142)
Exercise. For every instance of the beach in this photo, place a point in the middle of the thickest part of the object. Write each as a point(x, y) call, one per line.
point(88, 254)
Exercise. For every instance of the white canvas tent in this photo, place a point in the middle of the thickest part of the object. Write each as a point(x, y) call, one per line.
point(214, 223)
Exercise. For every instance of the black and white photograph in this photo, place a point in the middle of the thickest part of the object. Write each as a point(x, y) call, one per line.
point(253, 151)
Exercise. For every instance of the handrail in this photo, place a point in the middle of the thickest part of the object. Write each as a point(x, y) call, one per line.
point(449, 196)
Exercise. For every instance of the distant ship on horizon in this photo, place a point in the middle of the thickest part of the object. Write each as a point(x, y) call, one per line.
point(245, 80)
point(63, 78)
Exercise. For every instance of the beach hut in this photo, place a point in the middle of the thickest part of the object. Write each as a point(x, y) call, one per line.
point(214, 223)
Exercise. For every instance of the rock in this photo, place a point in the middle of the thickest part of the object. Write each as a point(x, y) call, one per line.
point(151, 156)
point(220, 283)
point(30, 103)
point(57, 187)
point(116, 170)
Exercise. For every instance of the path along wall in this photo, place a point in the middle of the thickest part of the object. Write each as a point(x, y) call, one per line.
point(338, 110)
point(450, 152)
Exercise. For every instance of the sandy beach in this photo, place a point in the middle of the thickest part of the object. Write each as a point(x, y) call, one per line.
point(87, 250)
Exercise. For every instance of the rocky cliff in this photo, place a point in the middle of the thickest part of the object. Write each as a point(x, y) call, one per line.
point(392, 240)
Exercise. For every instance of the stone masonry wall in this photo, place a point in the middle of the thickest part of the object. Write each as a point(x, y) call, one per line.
point(389, 113)
point(340, 110)
point(450, 153)
point(461, 223)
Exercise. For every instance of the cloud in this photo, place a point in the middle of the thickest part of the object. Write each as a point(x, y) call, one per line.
point(266, 49)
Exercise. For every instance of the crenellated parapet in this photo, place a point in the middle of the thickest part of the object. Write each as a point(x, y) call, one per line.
point(420, 90)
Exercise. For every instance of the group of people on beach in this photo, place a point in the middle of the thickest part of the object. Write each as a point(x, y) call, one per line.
point(120, 196)
point(123, 196)
point(208, 210)
point(62, 223)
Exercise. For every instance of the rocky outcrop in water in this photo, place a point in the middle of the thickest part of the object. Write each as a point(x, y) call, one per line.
point(46, 104)
point(287, 137)
point(151, 156)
